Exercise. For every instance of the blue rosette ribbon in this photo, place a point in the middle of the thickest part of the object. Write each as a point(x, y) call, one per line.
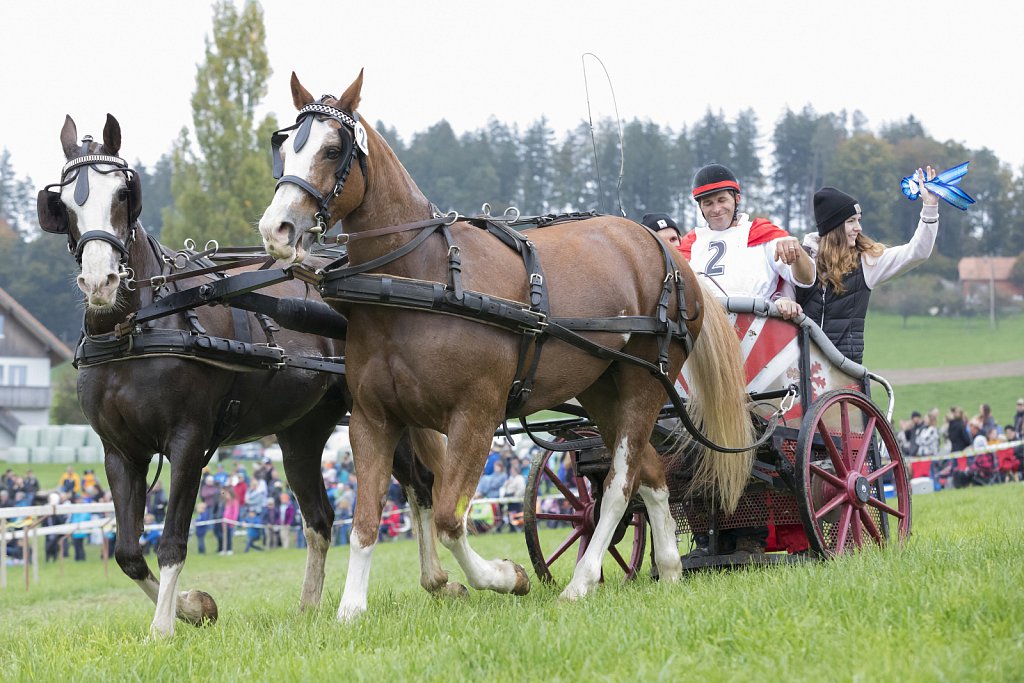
point(945, 186)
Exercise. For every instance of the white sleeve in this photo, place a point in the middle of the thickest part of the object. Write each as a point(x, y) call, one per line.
point(784, 270)
point(897, 260)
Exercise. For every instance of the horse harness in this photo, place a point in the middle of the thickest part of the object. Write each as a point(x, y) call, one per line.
point(354, 147)
point(53, 215)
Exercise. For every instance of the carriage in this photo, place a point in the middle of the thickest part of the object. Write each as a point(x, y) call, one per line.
point(622, 328)
point(830, 480)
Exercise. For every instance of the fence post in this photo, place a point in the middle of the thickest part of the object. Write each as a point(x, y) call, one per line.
point(24, 555)
point(35, 553)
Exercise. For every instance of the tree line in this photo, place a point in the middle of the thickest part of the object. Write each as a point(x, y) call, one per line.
point(215, 181)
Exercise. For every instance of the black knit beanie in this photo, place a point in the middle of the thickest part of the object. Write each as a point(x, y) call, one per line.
point(831, 209)
point(659, 221)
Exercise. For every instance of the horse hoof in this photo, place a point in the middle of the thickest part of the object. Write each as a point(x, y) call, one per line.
point(522, 586)
point(573, 592)
point(347, 614)
point(197, 608)
point(454, 590)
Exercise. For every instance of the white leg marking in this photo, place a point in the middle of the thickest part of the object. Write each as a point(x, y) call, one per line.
point(166, 602)
point(432, 574)
point(357, 582)
point(495, 575)
point(313, 581)
point(663, 532)
point(613, 505)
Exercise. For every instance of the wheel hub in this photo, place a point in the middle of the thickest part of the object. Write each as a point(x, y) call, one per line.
point(858, 490)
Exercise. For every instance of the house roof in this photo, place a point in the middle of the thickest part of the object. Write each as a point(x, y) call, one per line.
point(986, 267)
point(57, 350)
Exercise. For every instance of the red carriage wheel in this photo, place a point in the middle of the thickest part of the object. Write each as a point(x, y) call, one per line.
point(567, 502)
point(846, 455)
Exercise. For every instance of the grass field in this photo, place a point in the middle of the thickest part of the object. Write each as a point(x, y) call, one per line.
point(945, 608)
point(928, 342)
point(943, 342)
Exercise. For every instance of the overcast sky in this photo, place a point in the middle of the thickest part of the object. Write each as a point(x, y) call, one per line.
point(955, 65)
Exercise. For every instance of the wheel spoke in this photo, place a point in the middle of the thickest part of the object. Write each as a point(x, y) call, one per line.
point(583, 487)
point(872, 529)
point(558, 517)
point(858, 533)
point(584, 544)
point(573, 537)
point(865, 444)
point(844, 528)
point(614, 552)
point(560, 485)
point(879, 505)
point(827, 476)
point(830, 506)
point(844, 416)
point(833, 454)
point(872, 477)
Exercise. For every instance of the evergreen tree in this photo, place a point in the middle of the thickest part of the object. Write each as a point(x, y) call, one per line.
point(221, 189)
point(536, 179)
point(646, 185)
point(712, 140)
point(746, 163)
point(17, 198)
point(793, 176)
point(156, 193)
point(682, 166)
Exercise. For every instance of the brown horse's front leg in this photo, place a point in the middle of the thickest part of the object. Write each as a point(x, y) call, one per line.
point(373, 446)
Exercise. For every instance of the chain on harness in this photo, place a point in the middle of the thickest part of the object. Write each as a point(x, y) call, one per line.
point(354, 147)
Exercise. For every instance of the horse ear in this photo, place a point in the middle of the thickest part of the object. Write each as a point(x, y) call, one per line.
point(300, 96)
point(112, 136)
point(349, 100)
point(69, 137)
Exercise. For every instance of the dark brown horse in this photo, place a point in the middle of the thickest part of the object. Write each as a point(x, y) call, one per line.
point(411, 368)
point(172, 405)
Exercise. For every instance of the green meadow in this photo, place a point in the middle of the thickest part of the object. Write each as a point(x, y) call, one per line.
point(946, 607)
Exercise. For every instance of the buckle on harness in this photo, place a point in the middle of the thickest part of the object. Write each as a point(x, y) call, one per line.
point(538, 327)
point(536, 279)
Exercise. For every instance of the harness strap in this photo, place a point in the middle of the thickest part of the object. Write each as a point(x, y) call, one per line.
point(559, 332)
point(425, 232)
point(166, 342)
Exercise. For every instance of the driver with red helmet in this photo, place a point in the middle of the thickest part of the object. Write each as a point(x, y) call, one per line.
point(743, 257)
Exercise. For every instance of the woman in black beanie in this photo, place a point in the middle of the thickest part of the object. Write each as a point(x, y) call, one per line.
point(850, 264)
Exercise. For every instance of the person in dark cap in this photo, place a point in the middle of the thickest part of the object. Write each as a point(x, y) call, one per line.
point(663, 224)
point(743, 257)
point(850, 264)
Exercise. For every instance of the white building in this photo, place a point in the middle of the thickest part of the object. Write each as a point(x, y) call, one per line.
point(27, 352)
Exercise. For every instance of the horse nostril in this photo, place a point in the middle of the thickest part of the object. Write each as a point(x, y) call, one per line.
point(113, 279)
point(285, 232)
point(81, 284)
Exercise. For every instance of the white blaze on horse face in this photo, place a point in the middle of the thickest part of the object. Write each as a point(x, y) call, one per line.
point(99, 278)
point(291, 212)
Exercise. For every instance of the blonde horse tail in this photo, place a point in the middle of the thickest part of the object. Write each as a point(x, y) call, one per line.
point(718, 406)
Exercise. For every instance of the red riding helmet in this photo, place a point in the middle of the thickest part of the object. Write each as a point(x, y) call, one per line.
point(713, 178)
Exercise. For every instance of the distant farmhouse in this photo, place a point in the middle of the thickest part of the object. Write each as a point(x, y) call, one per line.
point(27, 352)
point(977, 273)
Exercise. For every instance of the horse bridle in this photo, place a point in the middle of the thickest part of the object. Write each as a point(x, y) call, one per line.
point(353, 147)
point(53, 215)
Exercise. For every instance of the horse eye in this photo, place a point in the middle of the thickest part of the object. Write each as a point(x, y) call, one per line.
point(122, 195)
point(333, 152)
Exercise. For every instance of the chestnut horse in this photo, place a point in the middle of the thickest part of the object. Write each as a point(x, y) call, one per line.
point(410, 368)
point(170, 405)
